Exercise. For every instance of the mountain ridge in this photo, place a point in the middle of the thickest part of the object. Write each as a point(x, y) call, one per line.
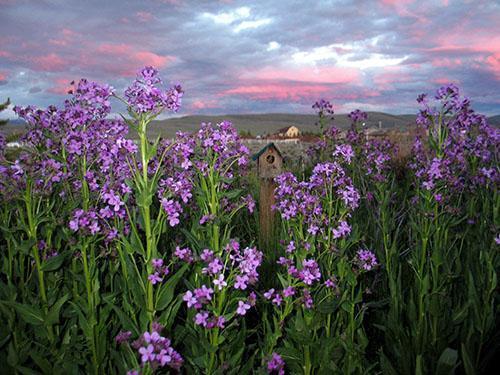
point(262, 124)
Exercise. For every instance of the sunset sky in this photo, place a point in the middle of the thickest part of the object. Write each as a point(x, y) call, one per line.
point(258, 56)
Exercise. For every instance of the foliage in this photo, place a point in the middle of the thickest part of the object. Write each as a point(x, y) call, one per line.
point(141, 256)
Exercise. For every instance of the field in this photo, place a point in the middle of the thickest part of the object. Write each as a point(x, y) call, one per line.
point(128, 249)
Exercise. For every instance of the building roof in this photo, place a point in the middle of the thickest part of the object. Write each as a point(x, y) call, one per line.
point(264, 149)
point(284, 130)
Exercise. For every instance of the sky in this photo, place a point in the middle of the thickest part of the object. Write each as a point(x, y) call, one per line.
point(255, 57)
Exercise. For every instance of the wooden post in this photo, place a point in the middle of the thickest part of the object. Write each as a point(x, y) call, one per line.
point(270, 165)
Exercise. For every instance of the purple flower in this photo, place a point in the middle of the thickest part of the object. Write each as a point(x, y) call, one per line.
point(203, 295)
point(214, 267)
point(157, 263)
point(206, 219)
point(307, 299)
point(219, 282)
point(241, 282)
point(276, 364)
point(242, 308)
point(329, 283)
point(190, 299)
point(269, 294)
point(122, 337)
point(147, 354)
point(277, 300)
point(291, 247)
point(310, 272)
point(184, 254)
point(155, 278)
point(345, 151)
point(157, 350)
point(342, 230)
point(201, 318)
point(144, 95)
point(289, 291)
point(357, 116)
point(173, 210)
point(207, 255)
point(366, 259)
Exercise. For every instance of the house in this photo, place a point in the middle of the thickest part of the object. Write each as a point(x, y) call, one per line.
point(289, 132)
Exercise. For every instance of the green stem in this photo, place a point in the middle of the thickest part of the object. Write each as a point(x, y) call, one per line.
point(90, 308)
point(32, 234)
point(307, 360)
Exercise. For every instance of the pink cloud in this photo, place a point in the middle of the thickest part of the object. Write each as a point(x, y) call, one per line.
point(203, 104)
point(493, 62)
point(390, 76)
point(126, 59)
point(5, 54)
point(64, 38)
point(3, 76)
point(150, 58)
point(61, 86)
point(479, 48)
point(144, 16)
point(444, 81)
point(396, 2)
point(327, 74)
point(444, 62)
point(278, 91)
point(50, 63)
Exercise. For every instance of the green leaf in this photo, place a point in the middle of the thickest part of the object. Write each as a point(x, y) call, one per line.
point(166, 293)
point(231, 194)
point(386, 366)
point(328, 306)
point(447, 362)
point(26, 371)
point(468, 365)
point(12, 357)
point(53, 314)
point(29, 314)
point(53, 263)
point(42, 363)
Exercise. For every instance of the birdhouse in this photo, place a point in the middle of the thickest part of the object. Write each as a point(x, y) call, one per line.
point(269, 161)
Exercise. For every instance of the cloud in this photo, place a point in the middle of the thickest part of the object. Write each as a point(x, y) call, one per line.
point(34, 90)
point(272, 46)
point(246, 25)
point(227, 18)
point(279, 91)
point(263, 57)
point(144, 16)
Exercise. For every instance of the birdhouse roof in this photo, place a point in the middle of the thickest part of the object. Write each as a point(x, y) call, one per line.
point(264, 149)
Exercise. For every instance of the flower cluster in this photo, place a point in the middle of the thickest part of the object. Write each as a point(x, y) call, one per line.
point(366, 259)
point(231, 273)
point(302, 201)
point(464, 148)
point(357, 116)
point(378, 156)
point(156, 350)
point(276, 364)
point(75, 151)
point(323, 107)
point(144, 95)
point(189, 158)
point(159, 271)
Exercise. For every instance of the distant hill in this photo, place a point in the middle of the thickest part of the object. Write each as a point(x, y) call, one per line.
point(261, 124)
point(494, 120)
point(269, 123)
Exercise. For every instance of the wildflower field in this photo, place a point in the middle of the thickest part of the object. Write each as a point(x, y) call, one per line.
point(123, 257)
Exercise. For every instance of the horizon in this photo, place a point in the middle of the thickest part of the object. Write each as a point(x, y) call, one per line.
point(237, 58)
